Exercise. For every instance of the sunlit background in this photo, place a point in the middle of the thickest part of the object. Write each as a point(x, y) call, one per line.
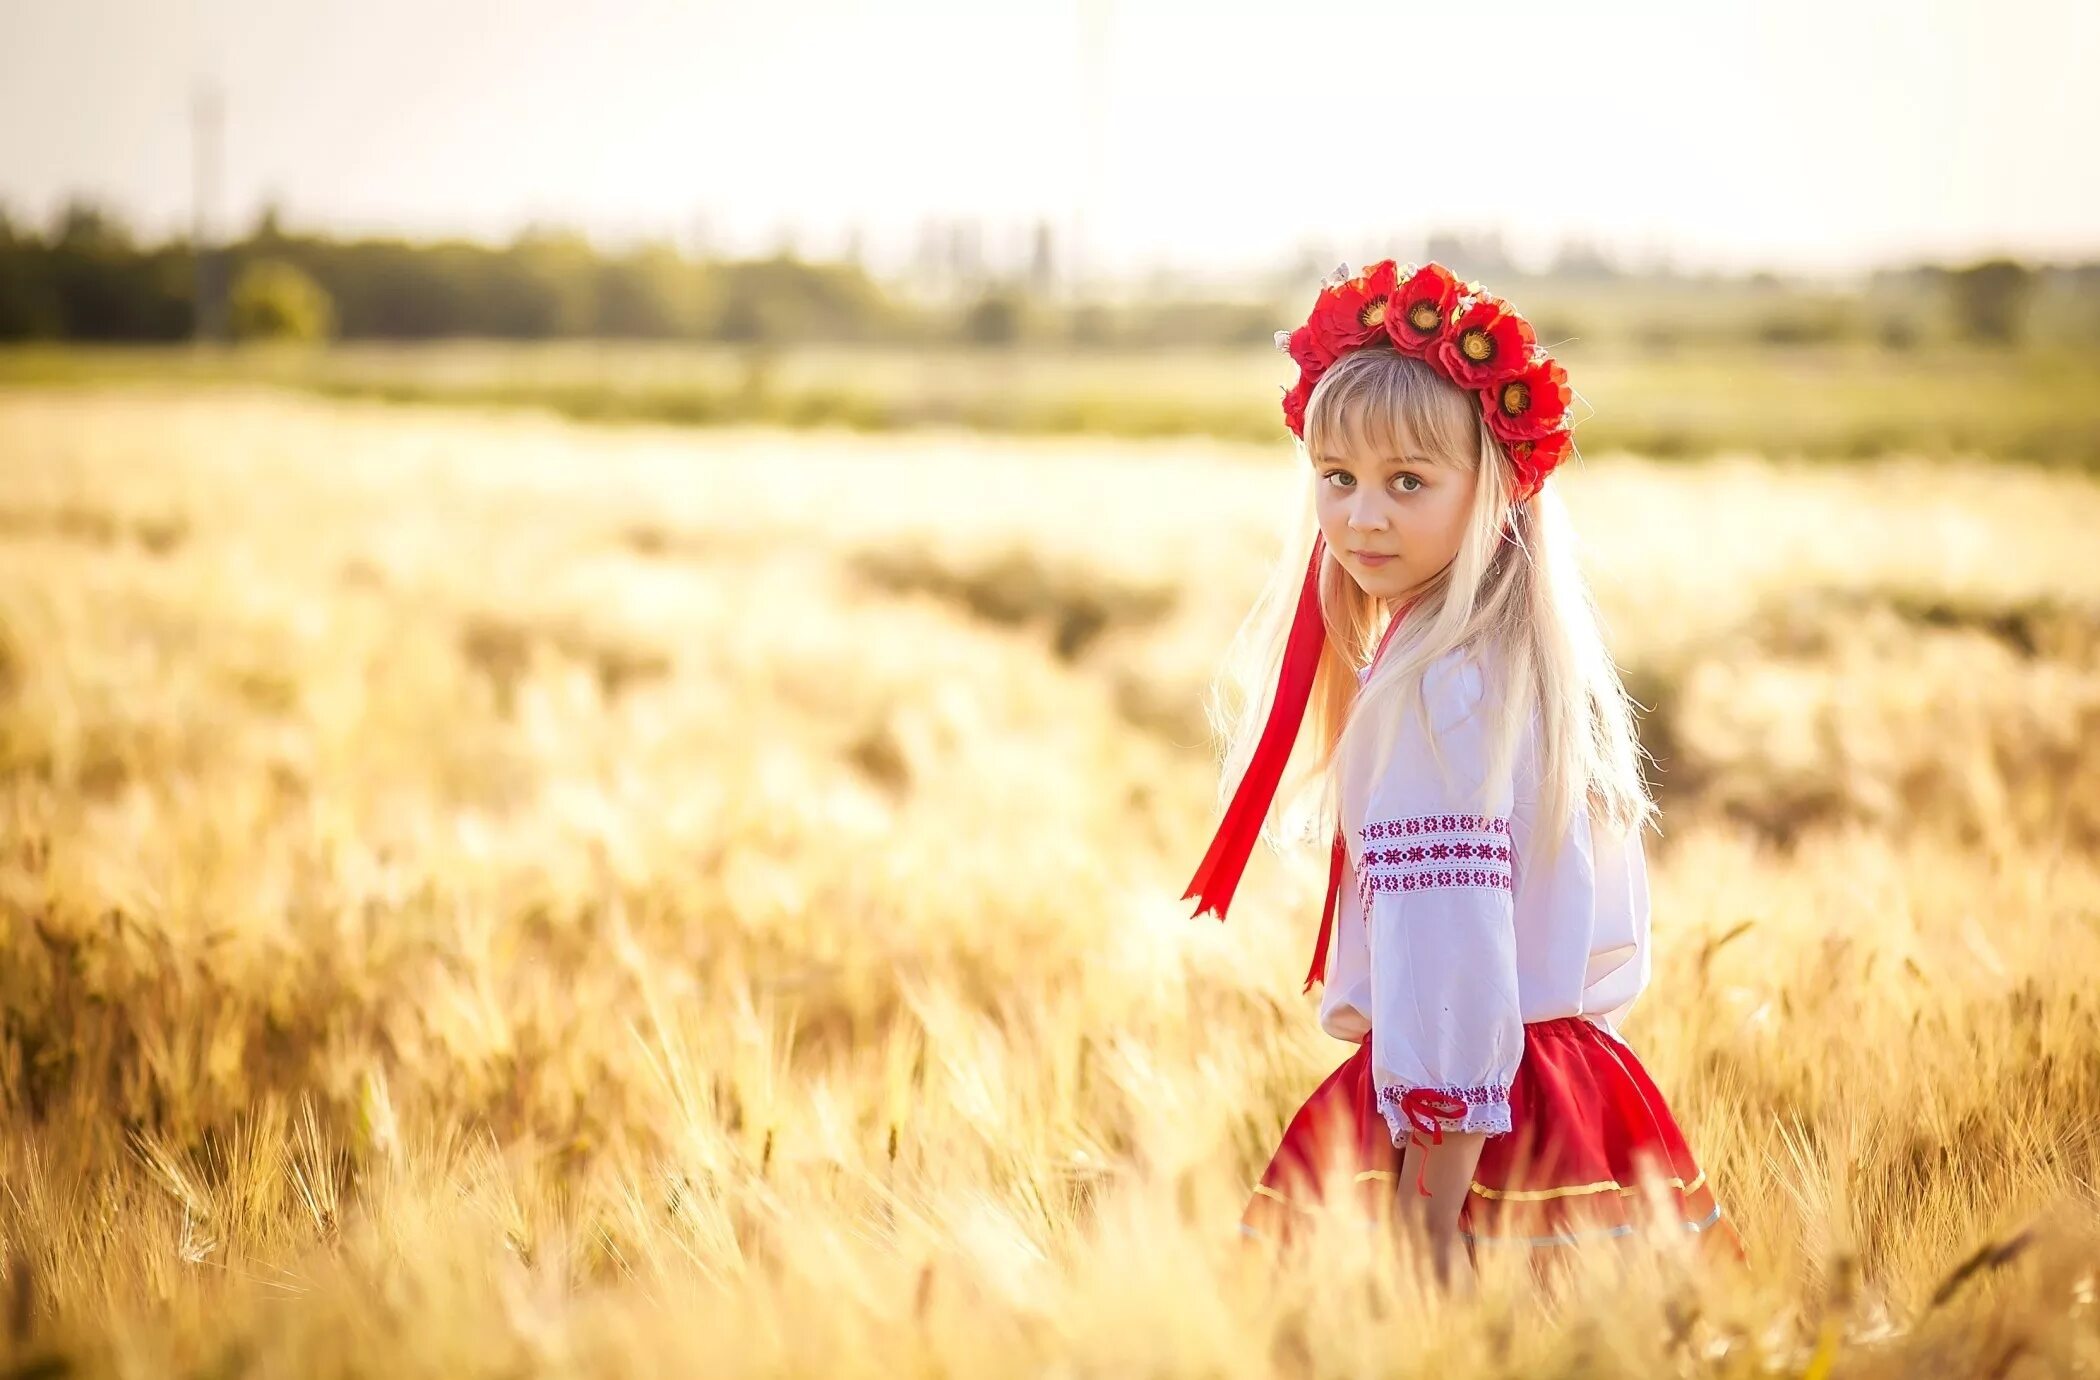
point(604, 617)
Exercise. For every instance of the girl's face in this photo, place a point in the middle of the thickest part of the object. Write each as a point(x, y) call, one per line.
point(1393, 520)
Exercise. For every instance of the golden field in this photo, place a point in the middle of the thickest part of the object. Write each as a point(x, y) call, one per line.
point(489, 895)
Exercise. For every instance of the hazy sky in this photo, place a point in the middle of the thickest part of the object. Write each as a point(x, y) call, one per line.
point(1806, 134)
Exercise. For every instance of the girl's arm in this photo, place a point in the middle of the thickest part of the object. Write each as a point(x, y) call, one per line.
point(1437, 879)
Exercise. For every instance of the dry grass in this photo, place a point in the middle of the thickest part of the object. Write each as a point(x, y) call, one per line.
point(496, 897)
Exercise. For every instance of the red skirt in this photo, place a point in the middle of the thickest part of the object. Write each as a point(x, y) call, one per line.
point(1592, 1153)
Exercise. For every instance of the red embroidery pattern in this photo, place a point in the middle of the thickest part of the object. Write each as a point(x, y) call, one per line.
point(1440, 851)
point(1435, 852)
point(1487, 1107)
point(1435, 824)
point(1483, 1092)
point(1428, 881)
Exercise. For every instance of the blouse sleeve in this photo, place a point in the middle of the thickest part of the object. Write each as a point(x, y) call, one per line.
point(1435, 884)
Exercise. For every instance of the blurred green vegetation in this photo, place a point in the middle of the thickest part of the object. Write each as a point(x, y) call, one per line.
point(1989, 359)
point(274, 300)
point(87, 277)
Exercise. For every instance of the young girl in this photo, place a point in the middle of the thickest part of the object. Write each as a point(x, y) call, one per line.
point(1485, 774)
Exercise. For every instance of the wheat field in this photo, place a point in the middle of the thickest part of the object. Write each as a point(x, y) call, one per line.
point(485, 895)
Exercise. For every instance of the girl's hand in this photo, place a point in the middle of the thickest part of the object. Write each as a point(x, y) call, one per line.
point(1448, 1177)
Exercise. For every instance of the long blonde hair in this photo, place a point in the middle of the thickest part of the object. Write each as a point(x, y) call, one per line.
point(1520, 605)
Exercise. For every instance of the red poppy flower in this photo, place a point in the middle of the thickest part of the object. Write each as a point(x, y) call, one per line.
point(1307, 352)
point(1532, 461)
point(1294, 404)
point(1354, 313)
point(1529, 403)
point(1488, 343)
point(1421, 310)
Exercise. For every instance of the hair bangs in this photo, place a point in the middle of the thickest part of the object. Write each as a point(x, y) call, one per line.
point(1376, 403)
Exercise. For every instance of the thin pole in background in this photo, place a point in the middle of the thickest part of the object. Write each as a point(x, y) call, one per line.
point(207, 126)
point(1096, 23)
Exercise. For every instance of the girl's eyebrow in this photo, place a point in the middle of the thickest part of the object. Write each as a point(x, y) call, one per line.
point(1422, 460)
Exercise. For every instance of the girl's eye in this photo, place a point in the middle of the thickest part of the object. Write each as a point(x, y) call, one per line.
point(1408, 479)
point(1340, 474)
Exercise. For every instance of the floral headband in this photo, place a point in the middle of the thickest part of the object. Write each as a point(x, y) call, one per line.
point(1475, 340)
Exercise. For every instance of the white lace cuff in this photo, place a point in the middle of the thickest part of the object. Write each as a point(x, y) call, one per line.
point(1487, 1110)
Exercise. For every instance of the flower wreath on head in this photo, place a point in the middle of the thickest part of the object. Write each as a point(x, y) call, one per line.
point(1480, 344)
point(1475, 340)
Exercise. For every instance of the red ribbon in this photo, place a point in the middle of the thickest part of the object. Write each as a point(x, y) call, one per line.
point(1422, 1107)
point(1335, 866)
point(1218, 876)
point(1339, 862)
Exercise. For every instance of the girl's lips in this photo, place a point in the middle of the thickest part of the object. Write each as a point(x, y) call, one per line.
point(1370, 557)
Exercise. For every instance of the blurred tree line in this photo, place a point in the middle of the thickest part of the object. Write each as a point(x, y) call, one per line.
point(87, 278)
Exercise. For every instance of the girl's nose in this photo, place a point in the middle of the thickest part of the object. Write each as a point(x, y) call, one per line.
point(1366, 514)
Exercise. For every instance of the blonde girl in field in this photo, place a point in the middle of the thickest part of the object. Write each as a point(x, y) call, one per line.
point(1486, 922)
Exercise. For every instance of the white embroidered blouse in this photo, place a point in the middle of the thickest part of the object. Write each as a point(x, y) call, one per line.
point(1448, 944)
